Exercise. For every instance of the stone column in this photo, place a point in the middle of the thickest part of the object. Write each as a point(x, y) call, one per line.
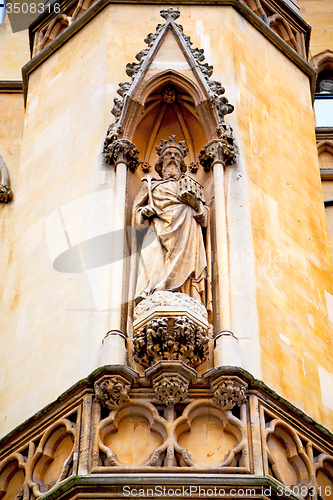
point(215, 156)
point(121, 154)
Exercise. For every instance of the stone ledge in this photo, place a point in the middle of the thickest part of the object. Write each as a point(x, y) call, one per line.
point(109, 485)
point(11, 86)
point(243, 407)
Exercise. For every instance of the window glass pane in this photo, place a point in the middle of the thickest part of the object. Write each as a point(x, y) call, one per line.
point(324, 111)
point(2, 10)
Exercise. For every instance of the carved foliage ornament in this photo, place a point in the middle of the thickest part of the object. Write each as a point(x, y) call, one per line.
point(221, 150)
point(112, 392)
point(6, 194)
point(170, 388)
point(122, 150)
point(228, 393)
point(171, 338)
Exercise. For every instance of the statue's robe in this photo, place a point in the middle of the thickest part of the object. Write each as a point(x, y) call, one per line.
point(173, 256)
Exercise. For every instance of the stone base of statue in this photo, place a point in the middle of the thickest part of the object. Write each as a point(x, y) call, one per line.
point(170, 326)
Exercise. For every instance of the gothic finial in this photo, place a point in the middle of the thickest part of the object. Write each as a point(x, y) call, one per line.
point(170, 14)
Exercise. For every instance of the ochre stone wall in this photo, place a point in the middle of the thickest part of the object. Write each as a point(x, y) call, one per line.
point(320, 17)
point(292, 258)
point(11, 127)
point(14, 51)
point(54, 315)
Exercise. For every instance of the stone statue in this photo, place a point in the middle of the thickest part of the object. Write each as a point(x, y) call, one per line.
point(175, 254)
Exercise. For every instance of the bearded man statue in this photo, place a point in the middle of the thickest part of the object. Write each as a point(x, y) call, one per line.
point(175, 254)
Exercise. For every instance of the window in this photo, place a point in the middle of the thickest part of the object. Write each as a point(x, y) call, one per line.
point(324, 99)
point(2, 10)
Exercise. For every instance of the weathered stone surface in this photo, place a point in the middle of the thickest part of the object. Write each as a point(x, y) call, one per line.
point(228, 393)
point(171, 338)
point(174, 254)
point(112, 392)
point(171, 301)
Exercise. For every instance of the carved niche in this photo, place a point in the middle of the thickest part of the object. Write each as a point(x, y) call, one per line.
point(208, 108)
point(287, 458)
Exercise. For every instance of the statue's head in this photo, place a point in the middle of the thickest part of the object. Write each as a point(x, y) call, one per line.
point(171, 158)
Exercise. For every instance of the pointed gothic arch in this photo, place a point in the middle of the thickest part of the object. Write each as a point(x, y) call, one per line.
point(141, 115)
point(169, 103)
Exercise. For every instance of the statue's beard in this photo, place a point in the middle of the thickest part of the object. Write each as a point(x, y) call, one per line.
point(171, 170)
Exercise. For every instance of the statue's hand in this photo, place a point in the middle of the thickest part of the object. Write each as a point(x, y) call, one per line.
point(148, 211)
point(191, 199)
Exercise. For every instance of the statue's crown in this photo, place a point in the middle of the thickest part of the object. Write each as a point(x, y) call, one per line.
point(172, 144)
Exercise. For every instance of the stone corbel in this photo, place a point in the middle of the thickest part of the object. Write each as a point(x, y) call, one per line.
point(112, 390)
point(121, 151)
point(6, 194)
point(228, 391)
point(171, 380)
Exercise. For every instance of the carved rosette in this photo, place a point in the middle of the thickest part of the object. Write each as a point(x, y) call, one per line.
point(220, 150)
point(6, 194)
point(228, 393)
point(112, 392)
point(171, 338)
point(170, 388)
point(145, 167)
point(194, 167)
point(121, 151)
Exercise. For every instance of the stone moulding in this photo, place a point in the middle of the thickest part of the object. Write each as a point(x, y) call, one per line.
point(263, 440)
point(41, 24)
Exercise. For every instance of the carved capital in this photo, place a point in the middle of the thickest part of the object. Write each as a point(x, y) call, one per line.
point(6, 194)
point(228, 393)
point(220, 150)
point(122, 151)
point(170, 388)
point(171, 338)
point(112, 391)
